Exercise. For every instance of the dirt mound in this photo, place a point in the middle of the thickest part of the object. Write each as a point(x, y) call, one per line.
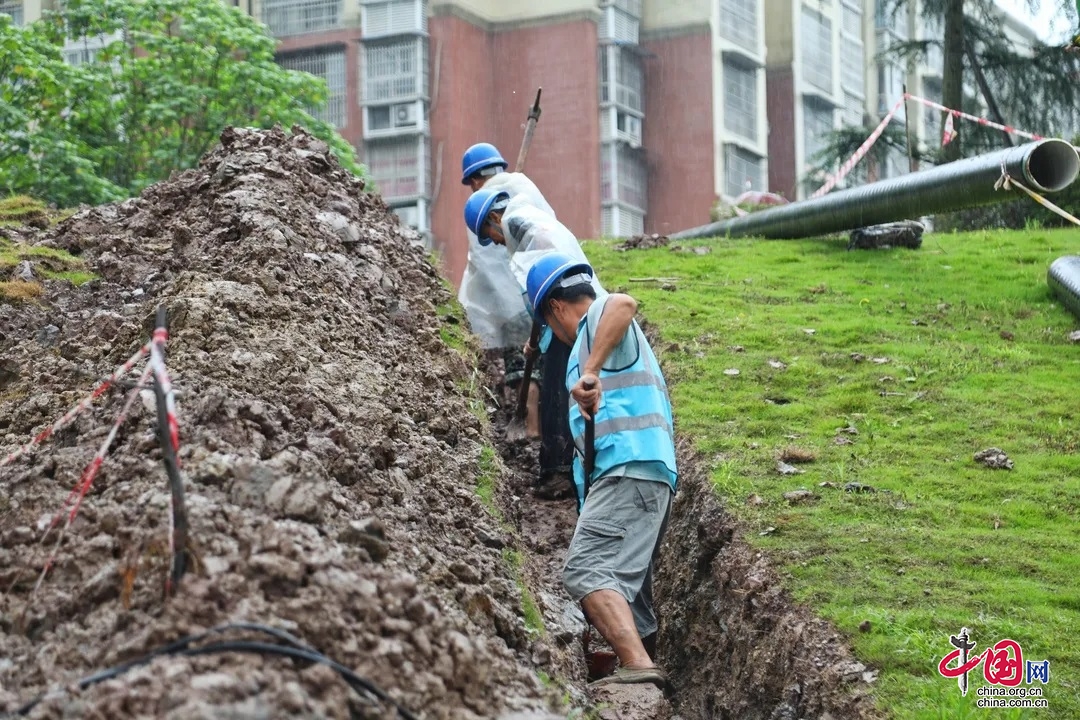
point(329, 448)
point(643, 242)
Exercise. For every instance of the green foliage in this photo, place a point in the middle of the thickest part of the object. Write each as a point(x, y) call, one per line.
point(150, 103)
point(975, 355)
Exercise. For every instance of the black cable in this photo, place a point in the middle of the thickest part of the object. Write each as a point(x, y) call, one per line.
point(295, 649)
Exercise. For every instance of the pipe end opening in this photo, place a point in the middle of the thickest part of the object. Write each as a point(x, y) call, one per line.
point(1053, 166)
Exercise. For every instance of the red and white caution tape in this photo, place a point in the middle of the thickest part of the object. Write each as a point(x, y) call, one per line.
point(78, 409)
point(848, 166)
point(75, 497)
point(1008, 182)
point(161, 374)
point(974, 118)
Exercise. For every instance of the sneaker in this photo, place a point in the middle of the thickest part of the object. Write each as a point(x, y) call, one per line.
point(633, 676)
point(556, 486)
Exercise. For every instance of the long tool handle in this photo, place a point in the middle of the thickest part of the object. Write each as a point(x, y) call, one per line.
point(530, 360)
point(530, 128)
point(590, 442)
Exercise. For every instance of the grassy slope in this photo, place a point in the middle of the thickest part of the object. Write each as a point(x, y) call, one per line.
point(49, 263)
point(978, 357)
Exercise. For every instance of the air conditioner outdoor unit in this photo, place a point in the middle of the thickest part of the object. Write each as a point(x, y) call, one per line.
point(404, 115)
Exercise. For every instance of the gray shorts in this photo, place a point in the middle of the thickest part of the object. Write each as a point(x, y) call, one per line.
point(616, 540)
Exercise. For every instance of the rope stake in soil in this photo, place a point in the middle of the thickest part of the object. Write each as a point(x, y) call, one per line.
point(169, 438)
point(78, 409)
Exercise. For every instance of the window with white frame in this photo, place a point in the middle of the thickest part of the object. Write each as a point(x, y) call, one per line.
point(740, 99)
point(399, 166)
point(890, 86)
point(631, 174)
point(892, 17)
point(330, 66)
point(15, 10)
point(618, 124)
point(392, 17)
point(739, 23)
point(817, 49)
point(854, 110)
point(621, 78)
point(618, 25)
point(817, 124)
point(853, 67)
point(931, 116)
point(618, 221)
point(83, 50)
point(395, 71)
point(742, 171)
point(296, 17)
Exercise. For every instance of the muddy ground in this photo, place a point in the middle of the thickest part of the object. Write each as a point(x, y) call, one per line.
point(332, 445)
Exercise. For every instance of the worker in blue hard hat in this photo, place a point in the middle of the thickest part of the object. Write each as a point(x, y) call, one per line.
point(527, 234)
point(616, 383)
point(503, 324)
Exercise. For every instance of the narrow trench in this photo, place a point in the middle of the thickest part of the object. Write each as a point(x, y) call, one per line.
point(732, 640)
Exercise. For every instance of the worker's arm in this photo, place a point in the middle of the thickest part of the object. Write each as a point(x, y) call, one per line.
point(614, 322)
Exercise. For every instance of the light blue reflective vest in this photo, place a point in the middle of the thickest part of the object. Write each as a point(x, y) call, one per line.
point(634, 423)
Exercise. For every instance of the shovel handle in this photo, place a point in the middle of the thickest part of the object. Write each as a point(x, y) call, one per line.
point(589, 460)
point(530, 360)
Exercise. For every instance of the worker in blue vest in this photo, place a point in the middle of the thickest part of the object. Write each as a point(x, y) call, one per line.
point(615, 382)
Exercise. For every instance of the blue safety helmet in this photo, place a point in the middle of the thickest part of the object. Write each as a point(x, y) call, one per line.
point(551, 271)
point(479, 157)
point(477, 208)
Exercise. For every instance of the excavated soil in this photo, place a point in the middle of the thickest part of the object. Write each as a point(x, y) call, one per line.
point(329, 449)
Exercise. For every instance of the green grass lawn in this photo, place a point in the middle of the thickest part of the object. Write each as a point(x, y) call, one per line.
point(960, 347)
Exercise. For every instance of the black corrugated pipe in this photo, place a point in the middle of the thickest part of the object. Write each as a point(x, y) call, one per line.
point(1046, 166)
point(1063, 277)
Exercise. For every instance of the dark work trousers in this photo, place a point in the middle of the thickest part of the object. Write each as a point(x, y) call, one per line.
point(557, 444)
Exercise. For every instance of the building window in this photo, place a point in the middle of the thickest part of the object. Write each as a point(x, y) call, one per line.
point(330, 66)
point(853, 68)
point(84, 50)
point(890, 87)
point(399, 167)
point(932, 117)
point(295, 17)
point(739, 24)
point(740, 100)
point(892, 17)
point(816, 37)
point(619, 26)
point(631, 173)
point(621, 68)
point(742, 171)
point(15, 10)
point(618, 221)
point(392, 17)
point(854, 110)
point(817, 124)
point(395, 71)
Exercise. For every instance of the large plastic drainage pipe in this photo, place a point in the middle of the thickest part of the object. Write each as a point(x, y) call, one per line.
point(1046, 166)
point(1063, 277)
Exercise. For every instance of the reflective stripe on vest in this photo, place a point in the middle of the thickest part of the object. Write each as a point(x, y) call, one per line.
point(634, 422)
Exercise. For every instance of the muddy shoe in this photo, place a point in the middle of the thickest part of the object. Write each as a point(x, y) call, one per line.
point(633, 676)
point(556, 486)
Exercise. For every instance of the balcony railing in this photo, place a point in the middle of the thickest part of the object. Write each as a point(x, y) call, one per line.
point(297, 17)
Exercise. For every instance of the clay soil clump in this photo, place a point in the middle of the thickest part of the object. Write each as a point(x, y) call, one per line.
point(330, 452)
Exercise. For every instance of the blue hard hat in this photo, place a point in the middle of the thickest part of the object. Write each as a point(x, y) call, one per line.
point(478, 157)
point(548, 271)
point(477, 207)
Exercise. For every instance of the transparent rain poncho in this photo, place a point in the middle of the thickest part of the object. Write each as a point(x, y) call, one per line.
point(490, 293)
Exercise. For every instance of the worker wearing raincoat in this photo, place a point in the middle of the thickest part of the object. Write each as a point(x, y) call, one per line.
point(528, 233)
point(497, 316)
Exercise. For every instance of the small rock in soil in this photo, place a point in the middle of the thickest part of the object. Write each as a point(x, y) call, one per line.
point(784, 469)
point(799, 496)
point(994, 458)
